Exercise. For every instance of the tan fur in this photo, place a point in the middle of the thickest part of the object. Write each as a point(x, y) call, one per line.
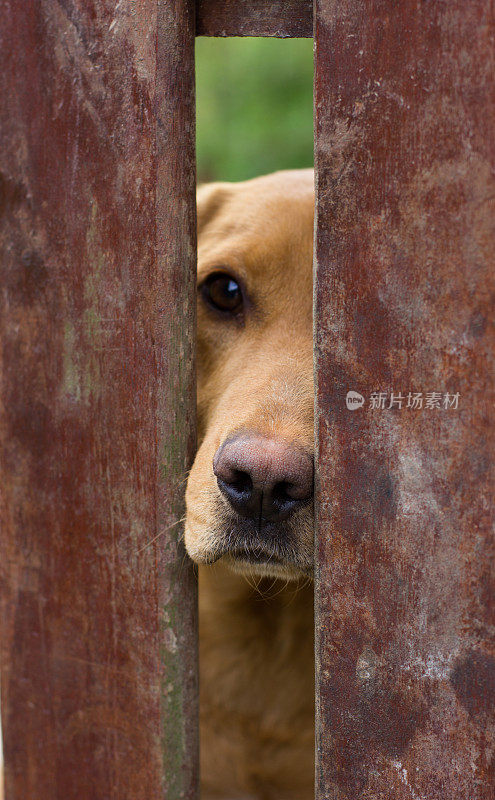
point(256, 629)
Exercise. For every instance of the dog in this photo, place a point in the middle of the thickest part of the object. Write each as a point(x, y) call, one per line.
point(249, 499)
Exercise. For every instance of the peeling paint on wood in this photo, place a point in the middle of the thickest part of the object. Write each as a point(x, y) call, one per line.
point(97, 235)
point(405, 248)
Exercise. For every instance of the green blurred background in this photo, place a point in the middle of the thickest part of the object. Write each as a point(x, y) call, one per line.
point(254, 106)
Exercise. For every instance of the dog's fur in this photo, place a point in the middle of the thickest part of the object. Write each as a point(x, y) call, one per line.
point(255, 375)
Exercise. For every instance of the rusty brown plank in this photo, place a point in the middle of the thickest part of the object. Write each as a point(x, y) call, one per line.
point(283, 19)
point(404, 303)
point(98, 615)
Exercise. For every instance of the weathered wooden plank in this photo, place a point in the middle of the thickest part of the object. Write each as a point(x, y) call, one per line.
point(283, 19)
point(99, 679)
point(405, 246)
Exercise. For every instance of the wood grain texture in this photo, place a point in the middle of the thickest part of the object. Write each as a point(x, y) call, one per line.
point(405, 156)
point(283, 19)
point(97, 235)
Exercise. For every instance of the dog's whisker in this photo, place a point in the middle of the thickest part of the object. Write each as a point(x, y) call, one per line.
point(162, 533)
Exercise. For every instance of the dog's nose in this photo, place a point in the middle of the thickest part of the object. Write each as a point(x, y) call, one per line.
point(262, 477)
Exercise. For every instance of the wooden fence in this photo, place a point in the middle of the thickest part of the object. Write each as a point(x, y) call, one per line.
point(97, 232)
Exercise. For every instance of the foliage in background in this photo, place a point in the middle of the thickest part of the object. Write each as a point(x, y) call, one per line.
point(254, 106)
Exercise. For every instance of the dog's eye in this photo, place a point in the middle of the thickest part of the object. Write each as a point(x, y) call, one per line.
point(221, 291)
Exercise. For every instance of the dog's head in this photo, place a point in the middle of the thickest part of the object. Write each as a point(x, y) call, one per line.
point(250, 491)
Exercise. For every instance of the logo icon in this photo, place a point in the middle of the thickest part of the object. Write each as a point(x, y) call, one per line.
point(354, 400)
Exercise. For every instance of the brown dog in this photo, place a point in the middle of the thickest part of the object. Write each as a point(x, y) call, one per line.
point(249, 494)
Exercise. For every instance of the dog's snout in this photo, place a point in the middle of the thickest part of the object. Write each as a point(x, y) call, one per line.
point(263, 478)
